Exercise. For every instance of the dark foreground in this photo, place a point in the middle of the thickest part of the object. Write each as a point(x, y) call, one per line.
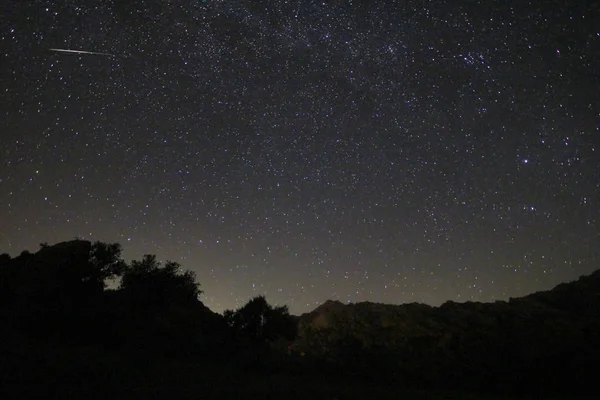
point(64, 335)
point(46, 370)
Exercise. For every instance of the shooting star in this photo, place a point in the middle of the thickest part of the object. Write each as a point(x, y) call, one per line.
point(83, 52)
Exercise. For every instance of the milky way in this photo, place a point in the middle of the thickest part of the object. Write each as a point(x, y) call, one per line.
point(352, 150)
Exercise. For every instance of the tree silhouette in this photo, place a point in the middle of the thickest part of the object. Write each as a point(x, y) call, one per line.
point(68, 271)
point(60, 288)
point(150, 285)
point(106, 261)
point(4, 258)
point(262, 322)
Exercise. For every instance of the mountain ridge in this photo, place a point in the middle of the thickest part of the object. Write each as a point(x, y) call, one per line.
point(546, 338)
point(584, 281)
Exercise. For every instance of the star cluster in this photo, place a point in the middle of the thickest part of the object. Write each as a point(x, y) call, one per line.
point(308, 150)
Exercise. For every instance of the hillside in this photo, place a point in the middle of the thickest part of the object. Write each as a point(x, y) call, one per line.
point(544, 341)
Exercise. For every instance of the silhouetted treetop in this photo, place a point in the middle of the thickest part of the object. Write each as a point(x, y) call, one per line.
point(106, 259)
point(150, 284)
point(4, 258)
point(262, 322)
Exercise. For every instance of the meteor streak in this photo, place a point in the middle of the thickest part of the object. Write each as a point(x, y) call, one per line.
point(83, 52)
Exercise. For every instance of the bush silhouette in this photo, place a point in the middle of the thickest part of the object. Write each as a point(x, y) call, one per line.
point(262, 322)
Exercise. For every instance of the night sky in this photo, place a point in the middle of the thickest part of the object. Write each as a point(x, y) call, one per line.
point(310, 150)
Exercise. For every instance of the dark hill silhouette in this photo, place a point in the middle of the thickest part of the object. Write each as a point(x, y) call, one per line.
point(544, 342)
